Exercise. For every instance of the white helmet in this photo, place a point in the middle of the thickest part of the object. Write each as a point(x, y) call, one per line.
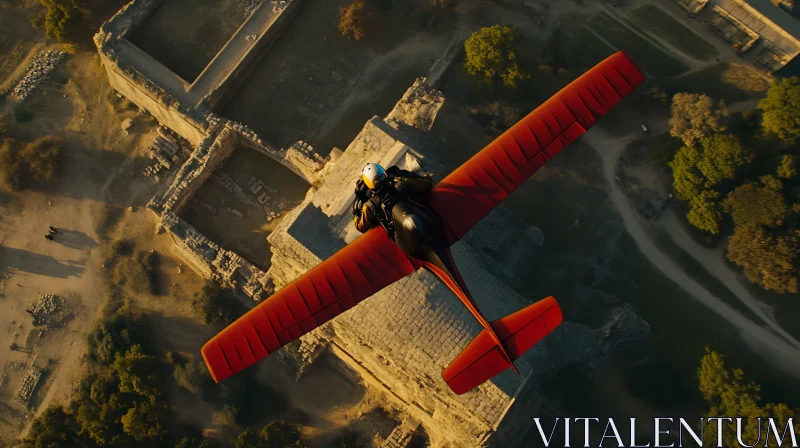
point(373, 175)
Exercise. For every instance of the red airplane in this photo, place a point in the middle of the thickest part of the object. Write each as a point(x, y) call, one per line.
point(422, 239)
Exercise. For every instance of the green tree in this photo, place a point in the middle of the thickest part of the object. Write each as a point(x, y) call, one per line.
point(229, 415)
point(727, 393)
point(704, 211)
point(98, 407)
point(192, 442)
point(757, 204)
point(215, 303)
point(55, 428)
point(351, 20)
point(282, 435)
point(249, 439)
point(696, 116)
point(115, 335)
point(189, 373)
point(137, 373)
point(61, 18)
point(787, 169)
point(722, 156)
point(687, 179)
point(491, 53)
point(767, 260)
point(143, 421)
point(275, 435)
point(781, 109)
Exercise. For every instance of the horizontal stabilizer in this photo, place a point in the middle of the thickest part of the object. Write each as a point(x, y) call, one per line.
point(522, 330)
point(518, 332)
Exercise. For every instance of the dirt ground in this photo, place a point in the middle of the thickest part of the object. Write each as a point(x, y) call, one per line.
point(322, 88)
point(185, 35)
point(247, 236)
point(19, 41)
point(74, 106)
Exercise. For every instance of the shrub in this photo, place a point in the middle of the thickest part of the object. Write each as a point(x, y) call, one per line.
point(41, 158)
point(36, 163)
point(61, 18)
point(351, 20)
point(215, 303)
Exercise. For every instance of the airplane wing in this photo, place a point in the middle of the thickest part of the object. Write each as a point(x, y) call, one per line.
point(470, 192)
point(359, 270)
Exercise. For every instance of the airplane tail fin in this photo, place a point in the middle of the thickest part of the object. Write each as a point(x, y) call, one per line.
point(518, 332)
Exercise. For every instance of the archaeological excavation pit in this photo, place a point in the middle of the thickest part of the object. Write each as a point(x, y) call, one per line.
point(318, 86)
point(242, 201)
point(185, 35)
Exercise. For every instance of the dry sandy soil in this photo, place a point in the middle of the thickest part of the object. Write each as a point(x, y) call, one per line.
point(77, 110)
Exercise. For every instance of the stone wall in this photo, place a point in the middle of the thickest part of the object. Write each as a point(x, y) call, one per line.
point(226, 88)
point(147, 96)
point(197, 169)
point(142, 79)
point(211, 261)
point(182, 106)
point(211, 152)
point(203, 255)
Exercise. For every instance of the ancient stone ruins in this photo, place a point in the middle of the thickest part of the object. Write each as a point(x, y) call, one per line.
point(400, 339)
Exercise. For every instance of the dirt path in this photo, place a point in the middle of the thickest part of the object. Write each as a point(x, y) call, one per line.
point(713, 261)
point(783, 353)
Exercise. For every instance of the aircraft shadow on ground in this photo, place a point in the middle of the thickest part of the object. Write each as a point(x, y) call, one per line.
point(21, 260)
point(74, 239)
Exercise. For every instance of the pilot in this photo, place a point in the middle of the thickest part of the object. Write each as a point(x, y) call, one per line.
point(378, 190)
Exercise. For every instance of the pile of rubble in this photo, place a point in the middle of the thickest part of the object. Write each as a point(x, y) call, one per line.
point(29, 385)
point(47, 305)
point(127, 168)
point(16, 366)
point(204, 205)
point(37, 73)
point(248, 6)
point(167, 149)
point(226, 181)
point(256, 187)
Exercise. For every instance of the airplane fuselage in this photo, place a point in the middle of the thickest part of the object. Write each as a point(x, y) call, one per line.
point(420, 233)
